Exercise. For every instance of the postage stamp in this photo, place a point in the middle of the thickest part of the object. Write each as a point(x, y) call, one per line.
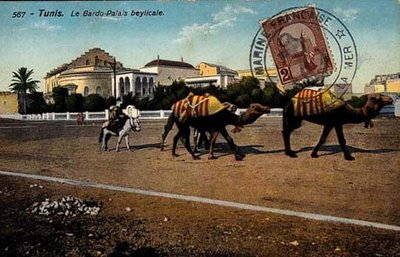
point(338, 42)
point(298, 45)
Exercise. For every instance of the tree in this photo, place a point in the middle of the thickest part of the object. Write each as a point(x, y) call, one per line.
point(94, 103)
point(35, 103)
point(245, 91)
point(23, 83)
point(59, 96)
point(74, 103)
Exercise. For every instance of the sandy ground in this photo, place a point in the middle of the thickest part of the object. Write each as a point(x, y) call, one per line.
point(367, 189)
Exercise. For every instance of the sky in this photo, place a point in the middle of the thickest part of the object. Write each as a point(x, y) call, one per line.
point(213, 31)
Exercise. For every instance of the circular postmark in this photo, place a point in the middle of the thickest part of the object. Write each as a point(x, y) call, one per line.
point(339, 45)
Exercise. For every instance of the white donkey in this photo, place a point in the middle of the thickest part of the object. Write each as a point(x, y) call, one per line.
point(132, 123)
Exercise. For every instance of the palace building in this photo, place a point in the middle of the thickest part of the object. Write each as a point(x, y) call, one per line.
point(139, 83)
point(92, 73)
point(169, 71)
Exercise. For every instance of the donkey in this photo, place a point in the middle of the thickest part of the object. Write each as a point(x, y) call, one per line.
point(129, 122)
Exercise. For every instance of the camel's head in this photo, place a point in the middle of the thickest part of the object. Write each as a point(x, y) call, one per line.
point(375, 102)
point(253, 113)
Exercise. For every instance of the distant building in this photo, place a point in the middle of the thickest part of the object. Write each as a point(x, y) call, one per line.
point(169, 71)
point(393, 85)
point(212, 74)
point(264, 77)
point(384, 83)
point(139, 83)
point(92, 73)
point(209, 69)
point(212, 80)
point(8, 103)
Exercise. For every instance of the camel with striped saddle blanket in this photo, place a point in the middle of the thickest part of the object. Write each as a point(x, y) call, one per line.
point(207, 113)
point(326, 109)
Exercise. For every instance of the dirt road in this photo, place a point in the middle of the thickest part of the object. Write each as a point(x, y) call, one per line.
point(366, 189)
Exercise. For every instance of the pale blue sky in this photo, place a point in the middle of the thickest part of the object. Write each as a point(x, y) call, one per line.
point(219, 32)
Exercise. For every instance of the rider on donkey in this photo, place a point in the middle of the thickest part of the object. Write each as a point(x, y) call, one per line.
point(116, 116)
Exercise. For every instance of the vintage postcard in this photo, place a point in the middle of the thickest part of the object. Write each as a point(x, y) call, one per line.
point(200, 128)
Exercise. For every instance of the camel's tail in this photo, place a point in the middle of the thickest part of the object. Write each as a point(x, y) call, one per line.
point(167, 128)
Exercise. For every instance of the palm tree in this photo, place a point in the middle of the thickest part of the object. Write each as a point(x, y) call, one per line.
point(21, 83)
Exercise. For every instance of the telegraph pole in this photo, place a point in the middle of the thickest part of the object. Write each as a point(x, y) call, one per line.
point(114, 68)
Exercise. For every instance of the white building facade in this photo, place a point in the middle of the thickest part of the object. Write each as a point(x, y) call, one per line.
point(218, 80)
point(138, 83)
point(169, 71)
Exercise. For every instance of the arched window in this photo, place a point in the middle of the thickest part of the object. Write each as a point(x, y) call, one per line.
point(121, 86)
point(138, 86)
point(87, 62)
point(151, 86)
point(145, 86)
point(86, 91)
point(127, 85)
point(98, 90)
point(96, 61)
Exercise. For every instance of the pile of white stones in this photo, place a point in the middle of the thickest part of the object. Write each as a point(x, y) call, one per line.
point(66, 206)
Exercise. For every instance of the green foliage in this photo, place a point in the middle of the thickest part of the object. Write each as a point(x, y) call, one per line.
point(35, 103)
point(74, 103)
point(243, 101)
point(94, 103)
point(23, 83)
point(246, 91)
point(59, 96)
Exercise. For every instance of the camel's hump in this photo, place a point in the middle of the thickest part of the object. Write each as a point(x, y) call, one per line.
point(313, 102)
point(197, 106)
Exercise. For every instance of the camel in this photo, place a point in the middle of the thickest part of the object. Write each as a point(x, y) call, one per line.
point(214, 124)
point(334, 118)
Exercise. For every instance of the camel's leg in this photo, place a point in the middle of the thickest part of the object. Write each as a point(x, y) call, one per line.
point(342, 142)
point(324, 135)
point(186, 142)
point(127, 142)
point(286, 132)
point(238, 156)
point(167, 128)
point(196, 138)
point(214, 135)
point(175, 142)
point(204, 140)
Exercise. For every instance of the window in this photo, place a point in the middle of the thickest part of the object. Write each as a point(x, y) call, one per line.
point(87, 62)
point(96, 60)
point(151, 86)
point(86, 91)
point(98, 90)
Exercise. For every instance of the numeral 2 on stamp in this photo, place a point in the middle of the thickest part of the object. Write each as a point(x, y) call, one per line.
point(285, 74)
